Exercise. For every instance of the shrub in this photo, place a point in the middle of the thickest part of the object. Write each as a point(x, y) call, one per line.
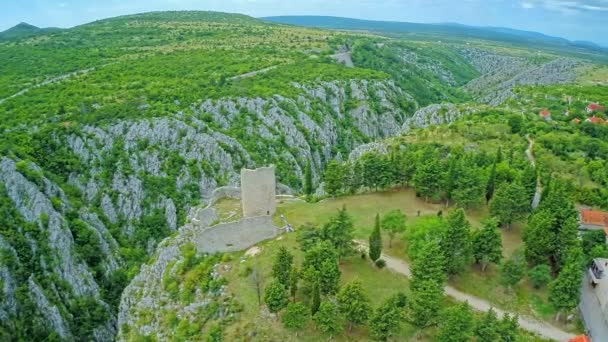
point(540, 276)
point(380, 263)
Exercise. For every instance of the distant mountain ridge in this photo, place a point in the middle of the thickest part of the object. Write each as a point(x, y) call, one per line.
point(24, 30)
point(454, 29)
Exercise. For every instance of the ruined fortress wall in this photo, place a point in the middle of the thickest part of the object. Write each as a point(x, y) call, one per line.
point(235, 236)
point(258, 192)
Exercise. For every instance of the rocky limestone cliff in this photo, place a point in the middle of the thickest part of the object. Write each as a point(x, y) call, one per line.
point(166, 288)
point(433, 115)
point(136, 180)
point(501, 73)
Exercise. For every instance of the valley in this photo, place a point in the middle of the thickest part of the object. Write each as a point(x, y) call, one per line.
point(114, 134)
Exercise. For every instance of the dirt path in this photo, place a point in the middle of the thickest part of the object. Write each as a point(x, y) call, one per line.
point(543, 329)
point(532, 159)
point(253, 73)
point(49, 81)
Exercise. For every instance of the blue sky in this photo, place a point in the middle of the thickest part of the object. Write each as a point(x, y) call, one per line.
point(572, 19)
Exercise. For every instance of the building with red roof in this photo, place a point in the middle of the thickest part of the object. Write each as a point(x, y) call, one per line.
point(595, 107)
point(596, 120)
point(593, 219)
point(576, 120)
point(581, 338)
point(545, 114)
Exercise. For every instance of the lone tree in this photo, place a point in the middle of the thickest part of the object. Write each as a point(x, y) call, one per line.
point(294, 278)
point(540, 276)
point(456, 243)
point(334, 178)
point(393, 223)
point(457, 324)
point(386, 319)
point(308, 187)
point(275, 297)
point(329, 277)
point(329, 319)
point(282, 267)
point(257, 280)
point(315, 300)
point(510, 203)
point(512, 271)
point(321, 265)
point(354, 304)
point(375, 241)
point(339, 231)
point(296, 317)
point(428, 278)
point(509, 328)
point(488, 328)
point(487, 244)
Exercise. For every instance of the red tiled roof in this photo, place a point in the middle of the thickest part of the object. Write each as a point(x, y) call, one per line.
point(577, 120)
point(594, 217)
point(581, 338)
point(545, 112)
point(596, 120)
point(595, 106)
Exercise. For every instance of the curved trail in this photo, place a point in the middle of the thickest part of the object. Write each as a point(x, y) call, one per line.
point(532, 159)
point(253, 73)
point(52, 80)
point(543, 329)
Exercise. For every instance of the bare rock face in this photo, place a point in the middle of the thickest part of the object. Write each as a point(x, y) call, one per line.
point(500, 74)
point(434, 115)
point(54, 237)
point(151, 296)
point(152, 172)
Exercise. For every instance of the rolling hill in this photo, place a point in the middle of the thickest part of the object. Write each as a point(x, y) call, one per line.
point(114, 132)
point(448, 30)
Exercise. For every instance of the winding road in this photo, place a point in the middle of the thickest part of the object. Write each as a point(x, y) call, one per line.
point(540, 328)
point(539, 187)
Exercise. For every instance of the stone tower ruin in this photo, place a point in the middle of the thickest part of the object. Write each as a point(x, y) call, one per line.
point(258, 192)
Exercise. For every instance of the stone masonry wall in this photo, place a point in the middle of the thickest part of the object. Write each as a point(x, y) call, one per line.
point(258, 192)
point(236, 236)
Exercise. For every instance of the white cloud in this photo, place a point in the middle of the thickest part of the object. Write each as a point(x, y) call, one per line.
point(568, 6)
point(527, 5)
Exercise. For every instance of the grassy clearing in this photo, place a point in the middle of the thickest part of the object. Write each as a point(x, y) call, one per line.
point(256, 324)
point(229, 209)
point(592, 75)
point(523, 299)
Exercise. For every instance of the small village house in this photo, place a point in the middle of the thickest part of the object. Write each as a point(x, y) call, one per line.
point(545, 114)
point(593, 219)
point(595, 107)
point(596, 120)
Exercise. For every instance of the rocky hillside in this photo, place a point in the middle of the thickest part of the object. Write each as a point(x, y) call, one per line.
point(112, 131)
point(500, 74)
point(73, 246)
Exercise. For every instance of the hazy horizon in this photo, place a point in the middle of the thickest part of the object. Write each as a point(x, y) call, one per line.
point(573, 20)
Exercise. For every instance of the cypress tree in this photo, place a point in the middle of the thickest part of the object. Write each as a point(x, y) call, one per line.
point(308, 187)
point(375, 241)
point(315, 302)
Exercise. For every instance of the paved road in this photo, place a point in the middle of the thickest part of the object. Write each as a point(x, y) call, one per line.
point(543, 329)
point(592, 313)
